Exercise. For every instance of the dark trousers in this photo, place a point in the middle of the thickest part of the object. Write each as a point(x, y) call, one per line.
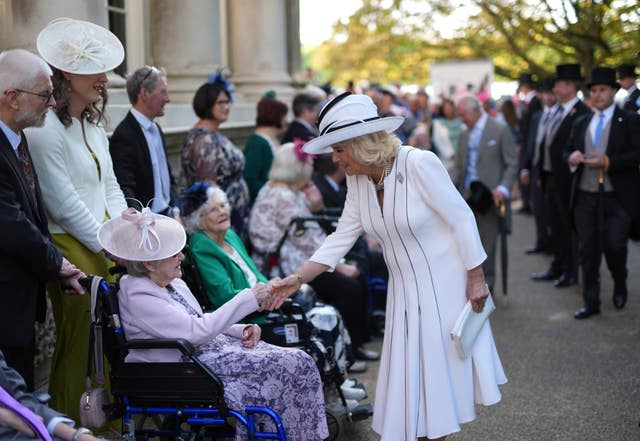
point(488, 228)
point(21, 359)
point(349, 297)
point(540, 205)
point(565, 250)
point(609, 239)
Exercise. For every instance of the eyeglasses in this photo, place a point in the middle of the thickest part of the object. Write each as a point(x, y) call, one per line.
point(45, 96)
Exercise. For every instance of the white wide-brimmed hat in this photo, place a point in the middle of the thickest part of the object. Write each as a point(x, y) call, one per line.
point(79, 47)
point(348, 116)
point(142, 236)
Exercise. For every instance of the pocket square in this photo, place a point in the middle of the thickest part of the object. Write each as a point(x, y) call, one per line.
point(492, 143)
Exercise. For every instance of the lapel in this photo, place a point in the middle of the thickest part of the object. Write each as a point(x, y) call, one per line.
point(136, 129)
point(23, 192)
point(615, 132)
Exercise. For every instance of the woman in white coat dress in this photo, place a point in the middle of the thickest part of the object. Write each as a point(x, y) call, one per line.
point(405, 199)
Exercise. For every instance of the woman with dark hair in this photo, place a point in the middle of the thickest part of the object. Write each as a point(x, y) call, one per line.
point(209, 156)
point(79, 188)
point(262, 144)
point(446, 131)
point(510, 116)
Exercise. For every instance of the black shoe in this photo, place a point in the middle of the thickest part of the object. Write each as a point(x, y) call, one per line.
point(619, 299)
point(564, 281)
point(545, 275)
point(362, 353)
point(535, 250)
point(585, 312)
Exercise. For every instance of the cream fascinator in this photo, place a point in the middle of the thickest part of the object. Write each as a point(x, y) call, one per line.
point(79, 47)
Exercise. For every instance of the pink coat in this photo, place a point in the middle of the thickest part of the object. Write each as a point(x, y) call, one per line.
point(147, 311)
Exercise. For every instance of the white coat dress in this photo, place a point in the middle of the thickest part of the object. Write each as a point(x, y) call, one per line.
point(429, 239)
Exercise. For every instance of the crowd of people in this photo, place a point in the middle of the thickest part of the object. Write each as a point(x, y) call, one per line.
point(421, 188)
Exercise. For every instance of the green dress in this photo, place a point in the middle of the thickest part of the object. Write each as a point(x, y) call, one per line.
point(222, 277)
point(258, 157)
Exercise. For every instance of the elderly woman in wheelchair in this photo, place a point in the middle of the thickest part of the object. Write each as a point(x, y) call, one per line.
point(156, 303)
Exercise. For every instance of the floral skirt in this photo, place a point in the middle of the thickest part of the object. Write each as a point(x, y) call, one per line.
point(284, 379)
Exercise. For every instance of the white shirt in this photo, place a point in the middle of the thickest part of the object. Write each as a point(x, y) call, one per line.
point(475, 135)
point(608, 114)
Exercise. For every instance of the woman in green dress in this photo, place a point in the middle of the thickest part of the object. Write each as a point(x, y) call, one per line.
point(79, 188)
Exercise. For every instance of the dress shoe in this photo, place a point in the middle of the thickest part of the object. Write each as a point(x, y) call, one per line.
point(585, 312)
point(362, 353)
point(619, 299)
point(545, 275)
point(564, 281)
point(357, 367)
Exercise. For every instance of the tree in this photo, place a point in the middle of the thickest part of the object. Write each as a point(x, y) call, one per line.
point(398, 40)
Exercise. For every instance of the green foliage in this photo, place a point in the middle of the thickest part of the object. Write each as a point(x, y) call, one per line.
point(396, 41)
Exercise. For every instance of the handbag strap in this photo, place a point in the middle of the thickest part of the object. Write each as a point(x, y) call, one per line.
point(95, 355)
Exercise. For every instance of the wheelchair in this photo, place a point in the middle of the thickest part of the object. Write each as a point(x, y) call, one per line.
point(188, 395)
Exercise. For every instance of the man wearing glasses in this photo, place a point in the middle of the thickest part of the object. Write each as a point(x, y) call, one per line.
point(137, 145)
point(28, 258)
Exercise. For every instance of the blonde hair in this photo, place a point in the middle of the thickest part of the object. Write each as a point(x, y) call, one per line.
point(288, 167)
point(376, 149)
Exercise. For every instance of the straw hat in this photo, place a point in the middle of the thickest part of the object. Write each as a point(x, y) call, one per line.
point(348, 116)
point(79, 47)
point(142, 236)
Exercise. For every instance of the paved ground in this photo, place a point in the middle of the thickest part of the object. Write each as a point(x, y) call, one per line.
point(568, 380)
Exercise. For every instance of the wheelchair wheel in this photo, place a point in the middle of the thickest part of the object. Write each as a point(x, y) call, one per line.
point(335, 424)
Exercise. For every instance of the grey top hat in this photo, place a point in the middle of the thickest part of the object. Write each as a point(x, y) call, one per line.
point(603, 75)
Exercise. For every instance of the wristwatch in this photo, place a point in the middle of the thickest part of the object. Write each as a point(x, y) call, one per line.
point(80, 431)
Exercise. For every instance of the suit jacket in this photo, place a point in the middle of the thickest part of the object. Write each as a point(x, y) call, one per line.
point(559, 146)
point(497, 162)
point(132, 161)
point(631, 103)
point(623, 150)
point(297, 130)
point(28, 258)
point(530, 147)
point(330, 197)
point(13, 383)
point(534, 106)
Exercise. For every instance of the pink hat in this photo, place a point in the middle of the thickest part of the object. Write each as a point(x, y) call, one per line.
point(142, 236)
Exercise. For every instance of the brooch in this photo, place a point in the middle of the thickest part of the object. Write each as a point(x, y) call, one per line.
point(400, 178)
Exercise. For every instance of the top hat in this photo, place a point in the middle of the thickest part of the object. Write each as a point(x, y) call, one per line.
point(546, 84)
point(627, 70)
point(603, 75)
point(480, 197)
point(568, 72)
point(348, 116)
point(79, 47)
point(526, 78)
point(142, 236)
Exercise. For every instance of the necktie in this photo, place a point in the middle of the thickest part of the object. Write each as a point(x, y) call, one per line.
point(598, 133)
point(26, 414)
point(27, 167)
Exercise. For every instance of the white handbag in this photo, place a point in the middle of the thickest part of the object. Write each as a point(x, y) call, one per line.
point(468, 325)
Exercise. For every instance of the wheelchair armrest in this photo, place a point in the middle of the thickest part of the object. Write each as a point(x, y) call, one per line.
point(181, 344)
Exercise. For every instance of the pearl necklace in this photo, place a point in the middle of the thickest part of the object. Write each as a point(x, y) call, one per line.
point(385, 172)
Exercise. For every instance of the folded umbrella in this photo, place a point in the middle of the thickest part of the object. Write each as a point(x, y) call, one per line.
point(504, 254)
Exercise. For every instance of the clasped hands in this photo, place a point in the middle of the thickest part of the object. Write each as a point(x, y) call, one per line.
point(272, 295)
point(593, 160)
point(69, 275)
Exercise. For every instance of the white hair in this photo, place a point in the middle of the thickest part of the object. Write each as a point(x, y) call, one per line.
point(193, 222)
point(469, 103)
point(21, 69)
point(287, 167)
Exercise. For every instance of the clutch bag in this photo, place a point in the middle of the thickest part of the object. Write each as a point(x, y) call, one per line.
point(468, 326)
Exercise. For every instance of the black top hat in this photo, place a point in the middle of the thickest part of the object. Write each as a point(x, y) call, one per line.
point(603, 75)
point(568, 72)
point(546, 84)
point(526, 78)
point(627, 70)
point(480, 197)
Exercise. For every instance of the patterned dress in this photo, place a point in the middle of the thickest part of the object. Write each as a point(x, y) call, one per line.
point(210, 156)
point(283, 379)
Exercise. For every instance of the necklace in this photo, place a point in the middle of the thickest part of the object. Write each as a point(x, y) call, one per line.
point(385, 172)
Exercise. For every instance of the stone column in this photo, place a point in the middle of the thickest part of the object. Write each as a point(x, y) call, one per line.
point(186, 41)
point(258, 48)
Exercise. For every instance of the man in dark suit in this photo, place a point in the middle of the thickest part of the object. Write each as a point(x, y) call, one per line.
point(28, 258)
point(137, 145)
point(529, 175)
point(530, 104)
point(627, 76)
point(605, 157)
point(305, 111)
point(486, 154)
point(555, 177)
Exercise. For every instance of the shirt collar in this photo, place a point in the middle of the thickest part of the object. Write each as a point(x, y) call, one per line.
point(142, 119)
point(608, 112)
point(569, 104)
point(528, 97)
point(13, 137)
point(482, 121)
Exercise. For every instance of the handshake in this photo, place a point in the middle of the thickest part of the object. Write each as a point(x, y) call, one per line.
point(272, 295)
